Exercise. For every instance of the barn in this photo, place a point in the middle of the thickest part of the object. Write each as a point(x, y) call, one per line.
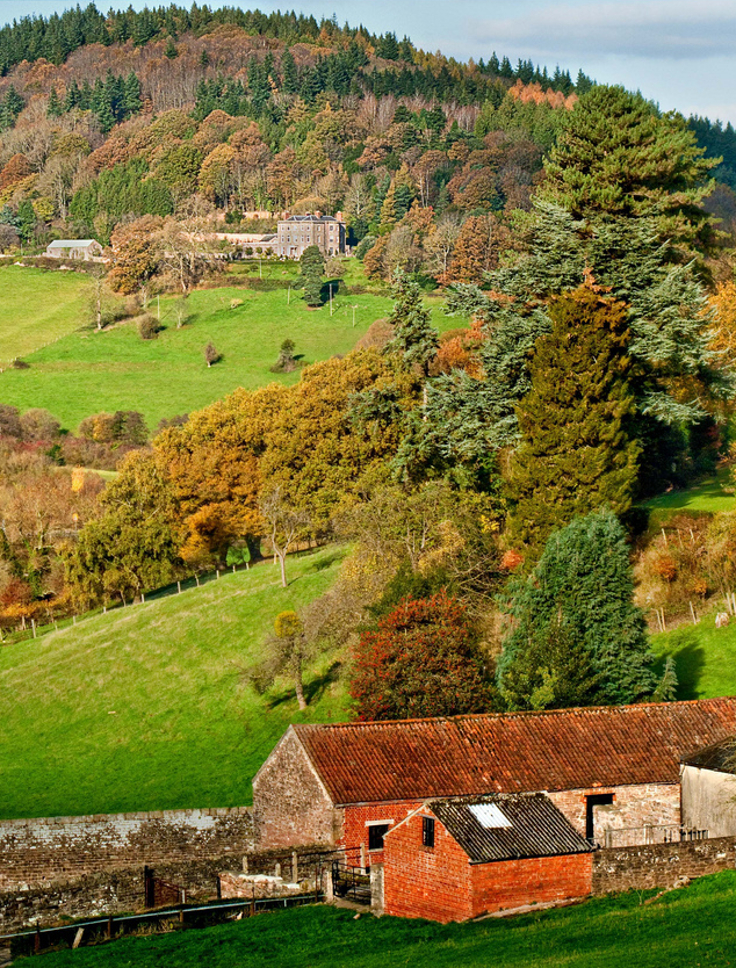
point(607, 769)
point(450, 860)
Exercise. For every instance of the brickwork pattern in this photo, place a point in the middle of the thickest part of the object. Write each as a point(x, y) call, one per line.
point(33, 853)
point(660, 865)
point(637, 805)
point(357, 819)
point(510, 884)
point(442, 885)
point(290, 805)
point(421, 882)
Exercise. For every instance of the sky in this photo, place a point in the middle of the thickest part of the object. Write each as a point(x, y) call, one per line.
point(678, 53)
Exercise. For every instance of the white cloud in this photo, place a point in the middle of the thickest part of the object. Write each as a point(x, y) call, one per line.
point(662, 29)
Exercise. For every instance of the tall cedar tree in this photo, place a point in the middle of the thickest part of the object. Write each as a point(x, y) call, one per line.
point(580, 597)
point(421, 660)
point(618, 157)
point(415, 339)
point(575, 455)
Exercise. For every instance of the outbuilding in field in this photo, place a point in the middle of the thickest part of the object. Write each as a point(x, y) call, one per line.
point(83, 249)
point(450, 860)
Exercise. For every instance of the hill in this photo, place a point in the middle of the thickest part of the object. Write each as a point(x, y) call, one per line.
point(115, 369)
point(685, 928)
point(151, 707)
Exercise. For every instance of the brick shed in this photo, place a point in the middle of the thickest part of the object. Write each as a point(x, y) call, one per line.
point(605, 768)
point(450, 860)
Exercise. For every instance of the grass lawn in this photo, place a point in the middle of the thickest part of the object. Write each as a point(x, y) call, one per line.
point(705, 657)
point(86, 372)
point(686, 928)
point(150, 707)
point(710, 496)
point(37, 308)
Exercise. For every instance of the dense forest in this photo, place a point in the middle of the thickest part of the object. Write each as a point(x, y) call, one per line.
point(489, 480)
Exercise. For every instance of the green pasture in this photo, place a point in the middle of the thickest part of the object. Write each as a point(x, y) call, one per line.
point(39, 307)
point(151, 706)
point(690, 927)
point(709, 496)
point(705, 657)
point(86, 372)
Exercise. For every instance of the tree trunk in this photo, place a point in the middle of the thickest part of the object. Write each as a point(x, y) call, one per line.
point(282, 562)
point(299, 686)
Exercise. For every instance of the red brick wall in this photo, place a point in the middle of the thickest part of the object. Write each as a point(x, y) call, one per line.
point(505, 885)
point(419, 882)
point(355, 831)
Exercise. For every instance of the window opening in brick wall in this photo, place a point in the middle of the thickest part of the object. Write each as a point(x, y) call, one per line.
point(428, 831)
point(376, 833)
point(591, 801)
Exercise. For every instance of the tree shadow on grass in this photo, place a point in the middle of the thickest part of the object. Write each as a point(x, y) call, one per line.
point(313, 690)
point(689, 656)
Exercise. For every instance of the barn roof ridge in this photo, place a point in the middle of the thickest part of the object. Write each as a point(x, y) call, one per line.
point(577, 748)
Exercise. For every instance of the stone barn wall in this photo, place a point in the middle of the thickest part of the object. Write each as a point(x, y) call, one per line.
point(34, 853)
point(637, 805)
point(291, 806)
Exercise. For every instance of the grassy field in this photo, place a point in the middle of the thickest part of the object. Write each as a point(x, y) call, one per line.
point(684, 929)
point(38, 307)
point(86, 372)
point(710, 496)
point(705, 658)
point(150, 707)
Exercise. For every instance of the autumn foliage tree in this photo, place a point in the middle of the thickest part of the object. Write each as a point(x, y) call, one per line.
point(422, 659)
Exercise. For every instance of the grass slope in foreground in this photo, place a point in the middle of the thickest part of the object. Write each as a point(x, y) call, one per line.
point(690, 927)
point(116, 370)
point(150, 707)
point(39, 307)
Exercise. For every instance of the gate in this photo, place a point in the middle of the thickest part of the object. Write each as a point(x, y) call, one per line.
point(351, 883)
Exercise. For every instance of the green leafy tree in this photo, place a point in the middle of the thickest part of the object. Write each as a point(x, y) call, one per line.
point(578, 599)
point(576, 454)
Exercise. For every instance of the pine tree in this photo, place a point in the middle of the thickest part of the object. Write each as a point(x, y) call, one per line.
point(581, 591)
point(289, 76)
point(618, 157)
point(576, 455)
point(312, 268)
point(414, 336)
point(53, 109)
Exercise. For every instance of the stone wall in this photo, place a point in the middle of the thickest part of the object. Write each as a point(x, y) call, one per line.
point(291, 806)
point(637, 805)
point(36, 853)
point(660, 865)
point(113, 892)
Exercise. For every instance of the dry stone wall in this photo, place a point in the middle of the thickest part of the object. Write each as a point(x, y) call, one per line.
point(660, 865)
point(35, 853)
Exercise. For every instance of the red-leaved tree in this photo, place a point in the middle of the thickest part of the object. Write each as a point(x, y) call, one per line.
point(422, 660)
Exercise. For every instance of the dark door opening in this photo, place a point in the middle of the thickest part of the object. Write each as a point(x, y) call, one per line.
point(594, 800)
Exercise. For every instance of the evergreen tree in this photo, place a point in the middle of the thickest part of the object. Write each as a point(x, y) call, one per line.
point(171, 50)
point(312, 269)
point(53, 109)
point(576, 455)
point(132, 95)
point(617, 157)
point(414, 336)
point(580, 595)
point(289, 76)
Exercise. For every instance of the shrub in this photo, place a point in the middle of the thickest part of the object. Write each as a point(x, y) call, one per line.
point(148, 326)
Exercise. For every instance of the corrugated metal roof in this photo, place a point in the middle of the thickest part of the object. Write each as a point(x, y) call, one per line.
point(719, 756)
point(536, 828)
point(563, 749)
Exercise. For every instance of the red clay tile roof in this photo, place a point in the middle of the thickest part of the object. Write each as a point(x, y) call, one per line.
point(564, 749)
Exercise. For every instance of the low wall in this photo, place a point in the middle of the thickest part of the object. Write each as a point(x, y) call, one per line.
point(660, 865)
point(35, 853)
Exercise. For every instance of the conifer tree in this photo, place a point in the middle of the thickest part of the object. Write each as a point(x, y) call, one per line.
point(576, 454)
point(577, 634)
point(414, 336)
point(312, 268)
point(53, 109)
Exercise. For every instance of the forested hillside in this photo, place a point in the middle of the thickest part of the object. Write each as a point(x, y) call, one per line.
point(483, 476)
